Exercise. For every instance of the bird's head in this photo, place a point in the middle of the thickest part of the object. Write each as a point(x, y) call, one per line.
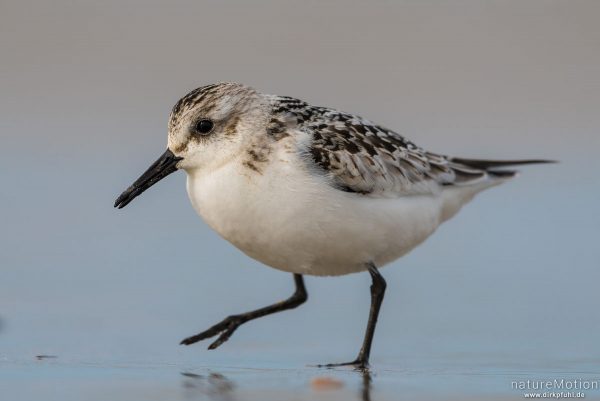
point(208, 127)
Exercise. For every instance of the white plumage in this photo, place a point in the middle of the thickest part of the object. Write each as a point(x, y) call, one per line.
point(292, 219)
point(261, 188)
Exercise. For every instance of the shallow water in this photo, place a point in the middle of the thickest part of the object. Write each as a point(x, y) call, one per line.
point(56, 379)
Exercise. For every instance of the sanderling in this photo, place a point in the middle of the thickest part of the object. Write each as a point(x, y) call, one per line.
point(309, 190)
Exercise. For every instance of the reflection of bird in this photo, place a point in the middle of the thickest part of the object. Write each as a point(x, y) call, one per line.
point(215, 386)
point(309, 190)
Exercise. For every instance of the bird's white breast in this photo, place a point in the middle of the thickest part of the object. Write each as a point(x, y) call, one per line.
point(292, 220)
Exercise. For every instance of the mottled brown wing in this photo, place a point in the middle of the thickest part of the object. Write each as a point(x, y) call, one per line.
point(365, 158)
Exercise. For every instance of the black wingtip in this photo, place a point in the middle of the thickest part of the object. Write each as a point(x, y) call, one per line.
point(487, 164)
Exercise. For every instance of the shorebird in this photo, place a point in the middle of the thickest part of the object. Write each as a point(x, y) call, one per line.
point(309, 190)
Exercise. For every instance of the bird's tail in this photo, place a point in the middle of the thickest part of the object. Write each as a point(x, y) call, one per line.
point(474, 176)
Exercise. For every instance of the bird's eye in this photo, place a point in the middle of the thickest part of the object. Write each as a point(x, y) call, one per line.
point(204, 126)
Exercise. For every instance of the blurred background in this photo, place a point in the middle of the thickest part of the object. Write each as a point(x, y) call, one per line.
point(506, 290)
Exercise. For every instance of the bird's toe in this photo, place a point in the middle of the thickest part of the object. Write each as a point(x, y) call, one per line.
point(357, 364)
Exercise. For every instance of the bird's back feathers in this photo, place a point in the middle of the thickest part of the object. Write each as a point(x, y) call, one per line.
point(365, 158)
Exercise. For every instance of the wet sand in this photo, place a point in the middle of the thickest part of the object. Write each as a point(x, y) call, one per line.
point(55, 379)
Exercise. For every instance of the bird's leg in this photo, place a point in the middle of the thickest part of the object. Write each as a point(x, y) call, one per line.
point(228, 325)
point(377, 291)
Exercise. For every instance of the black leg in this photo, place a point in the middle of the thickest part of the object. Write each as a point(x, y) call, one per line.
point(228, 325)
point(377, 291)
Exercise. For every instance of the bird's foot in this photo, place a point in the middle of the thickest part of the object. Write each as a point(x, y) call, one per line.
point(226, 328)
point(359, 364)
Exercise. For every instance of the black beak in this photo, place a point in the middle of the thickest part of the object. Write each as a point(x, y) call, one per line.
point(165, 165)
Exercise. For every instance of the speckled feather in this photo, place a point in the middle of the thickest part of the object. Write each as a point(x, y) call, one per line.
point(362, 157)
point(355, 154)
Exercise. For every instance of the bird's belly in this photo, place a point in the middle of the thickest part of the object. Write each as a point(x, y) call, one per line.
point(307, 227)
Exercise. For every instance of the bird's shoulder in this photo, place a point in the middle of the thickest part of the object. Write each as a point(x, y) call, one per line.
point(360, 156)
